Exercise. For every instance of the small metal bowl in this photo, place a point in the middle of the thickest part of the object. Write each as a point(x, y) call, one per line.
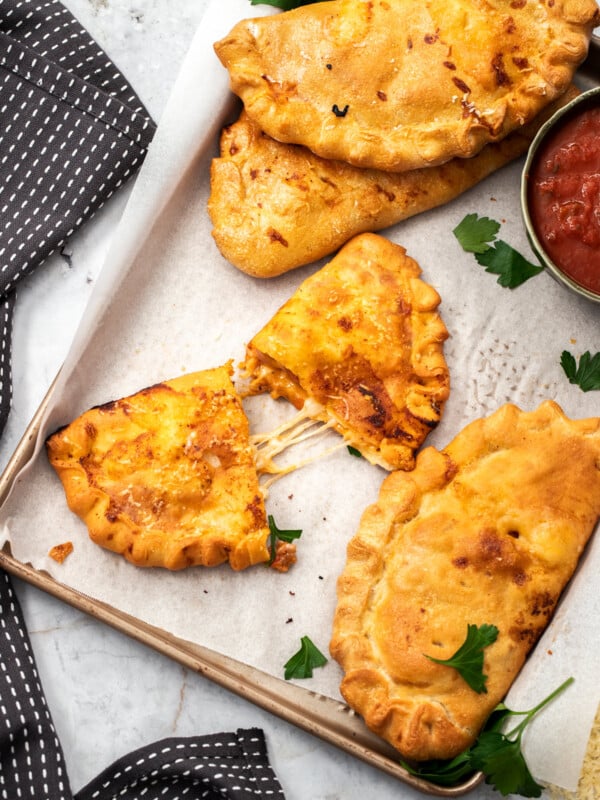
point(588, 99)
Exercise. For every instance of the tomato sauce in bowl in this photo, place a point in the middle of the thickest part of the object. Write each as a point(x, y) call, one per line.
point(561, 194)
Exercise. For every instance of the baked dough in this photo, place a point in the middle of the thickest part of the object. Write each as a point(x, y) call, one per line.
point(359, 345)
point(166, 477)
point(487, 531)
point(277, 206)
point(403, 84)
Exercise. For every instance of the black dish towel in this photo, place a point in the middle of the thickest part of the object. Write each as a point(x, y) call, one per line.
point(72, 131)
point(227, 766)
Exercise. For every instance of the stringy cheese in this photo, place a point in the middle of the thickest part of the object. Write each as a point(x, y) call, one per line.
point(303, 427)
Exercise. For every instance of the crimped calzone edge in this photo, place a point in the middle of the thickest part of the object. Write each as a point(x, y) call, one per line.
point(488, 530)
point(277, 206)
point(403, 84)
point(359, 346)
point(166, 477)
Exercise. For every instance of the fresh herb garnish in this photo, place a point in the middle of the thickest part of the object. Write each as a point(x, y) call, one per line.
point(587, 374)
point(285, 5)
point(503, 763)
point(354, 452)
point(276, 535)
point(497, 755)
point(511, 267)
point(443, 773)
point(476, 234)
point(468, 659)
point(302, 663)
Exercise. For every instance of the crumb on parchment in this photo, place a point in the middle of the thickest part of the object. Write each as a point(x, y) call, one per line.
point(60, 551)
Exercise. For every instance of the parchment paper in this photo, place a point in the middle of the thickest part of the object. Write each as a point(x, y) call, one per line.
point(167, 303)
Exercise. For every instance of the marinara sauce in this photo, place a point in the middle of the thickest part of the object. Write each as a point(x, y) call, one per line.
point(564, 197)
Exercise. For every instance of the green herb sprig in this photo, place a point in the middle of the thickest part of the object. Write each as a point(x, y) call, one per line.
point(468, 659)
point(477, 235)
point(586, 375)
point(276, 534)
point(497, 755)
point(302, 663)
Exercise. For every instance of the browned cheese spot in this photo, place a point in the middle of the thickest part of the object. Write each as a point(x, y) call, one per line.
point(275, 236)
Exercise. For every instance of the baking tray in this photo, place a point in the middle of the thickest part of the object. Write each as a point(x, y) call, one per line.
point(315, 713)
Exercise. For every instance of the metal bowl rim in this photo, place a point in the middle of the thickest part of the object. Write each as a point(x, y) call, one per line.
point(550, 125)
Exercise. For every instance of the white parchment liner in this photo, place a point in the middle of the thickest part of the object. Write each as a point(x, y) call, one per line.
point(167, 303)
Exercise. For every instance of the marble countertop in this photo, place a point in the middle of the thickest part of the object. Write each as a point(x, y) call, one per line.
point(107, 693)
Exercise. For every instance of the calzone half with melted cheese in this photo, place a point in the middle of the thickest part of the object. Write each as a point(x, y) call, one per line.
point(359, 346)
point(403, 84)
point(167, 477)
point(487, 531)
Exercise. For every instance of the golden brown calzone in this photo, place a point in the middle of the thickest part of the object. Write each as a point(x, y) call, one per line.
point(403, 84)
point(277, 206)
point(488, 530)
point(359, 345)
point(167, 476)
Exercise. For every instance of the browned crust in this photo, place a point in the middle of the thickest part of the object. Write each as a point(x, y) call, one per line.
point(166, 477)
point(449, 77)
point(276, 206)
point(487, 531)
point(362, 338)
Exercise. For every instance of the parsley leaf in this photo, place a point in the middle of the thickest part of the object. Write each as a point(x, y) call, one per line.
point(511, 267)
point(276, 535)
point(468, 659)
point(443, 773)
point(587, 374)
point(474, 233)
point(498, 755)
point(354, 452)
point(285, 5)
point(504, 765)
point(302, 663)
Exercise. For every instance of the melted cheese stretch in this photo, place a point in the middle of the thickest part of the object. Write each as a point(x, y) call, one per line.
point(362, 339)
point(301, 428)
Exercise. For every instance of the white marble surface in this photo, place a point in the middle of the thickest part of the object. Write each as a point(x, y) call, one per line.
point(107, 693)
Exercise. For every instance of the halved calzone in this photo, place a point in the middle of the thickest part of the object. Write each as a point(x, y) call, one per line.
point(359, 345)
point(167, 476)
point(277, 206)
point(487, 531)
point(403, 84)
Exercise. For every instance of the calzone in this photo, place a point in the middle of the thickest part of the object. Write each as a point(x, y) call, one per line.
point(359, 346)
point(166, 477)
point(403, 84)
point(487, 531)
point(277, 206)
